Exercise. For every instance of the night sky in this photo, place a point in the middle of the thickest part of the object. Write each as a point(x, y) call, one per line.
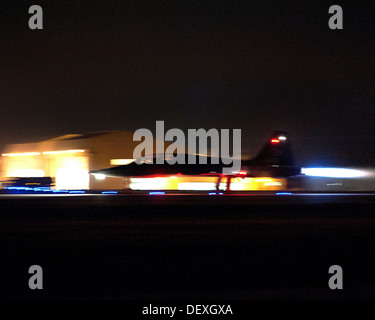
point(253, 65)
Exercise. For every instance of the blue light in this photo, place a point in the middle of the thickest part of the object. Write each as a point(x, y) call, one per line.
point(77, 191)
point(109, 192)
point(283, 193)
point(156, 193)
point(42, 189)
point(60, 191)
point(211, 193)
point(19, 188)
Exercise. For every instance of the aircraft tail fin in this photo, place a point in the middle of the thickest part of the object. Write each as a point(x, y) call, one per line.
point(276, 151)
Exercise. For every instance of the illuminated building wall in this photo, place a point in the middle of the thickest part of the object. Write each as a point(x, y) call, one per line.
point(69, 168)
point(69, 158)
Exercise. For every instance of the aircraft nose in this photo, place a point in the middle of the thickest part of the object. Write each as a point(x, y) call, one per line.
point(96, 171)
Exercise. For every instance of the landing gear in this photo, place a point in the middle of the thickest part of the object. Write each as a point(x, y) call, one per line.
point(218, 182)
point(228, 184)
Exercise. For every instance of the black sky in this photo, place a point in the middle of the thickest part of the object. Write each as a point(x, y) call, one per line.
point(253, 65)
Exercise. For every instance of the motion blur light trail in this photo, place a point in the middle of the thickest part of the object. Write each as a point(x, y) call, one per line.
point(336, 172)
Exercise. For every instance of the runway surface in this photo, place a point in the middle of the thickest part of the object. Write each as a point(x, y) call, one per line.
point(233, 247)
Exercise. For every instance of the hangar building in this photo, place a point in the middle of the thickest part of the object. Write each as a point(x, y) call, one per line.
point(69, 158)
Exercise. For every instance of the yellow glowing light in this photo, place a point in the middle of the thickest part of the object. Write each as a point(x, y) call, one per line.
point(273, 184)
point(256, 184)
point(72, 178)
point(23, 154)
point(99, 176)
point(72, 173)
point(71, 151)
point(25, 173)
point(141, 180)
point(197, 186)
point(150, 184)
point(119, 162)
point(200, 183)
point(62, 151)
point(236, 186)
point(262, 180)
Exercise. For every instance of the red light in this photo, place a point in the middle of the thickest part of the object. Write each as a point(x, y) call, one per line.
point(275, 141)
point(242, 173)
